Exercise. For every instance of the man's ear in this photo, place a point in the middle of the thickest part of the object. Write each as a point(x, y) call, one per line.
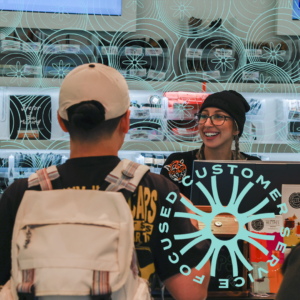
point(125, 122)
point(61, 123)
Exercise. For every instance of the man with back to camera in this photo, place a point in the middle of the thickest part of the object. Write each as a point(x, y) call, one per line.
point(94, 108)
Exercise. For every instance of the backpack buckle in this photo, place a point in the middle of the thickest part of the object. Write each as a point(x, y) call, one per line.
point(27, 296)
point(101, 297)
point(127, 174)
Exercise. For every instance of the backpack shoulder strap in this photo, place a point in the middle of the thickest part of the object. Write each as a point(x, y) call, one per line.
point(43, 178)
point(126, 175)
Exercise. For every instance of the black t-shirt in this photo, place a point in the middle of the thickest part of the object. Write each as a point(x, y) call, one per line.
point(148, 205)
point(180, 164)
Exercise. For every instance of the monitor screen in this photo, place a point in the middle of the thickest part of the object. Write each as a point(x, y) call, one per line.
point(91, 7)
point(296, 9)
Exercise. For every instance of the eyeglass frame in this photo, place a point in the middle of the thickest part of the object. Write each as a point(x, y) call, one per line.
point(210, 117)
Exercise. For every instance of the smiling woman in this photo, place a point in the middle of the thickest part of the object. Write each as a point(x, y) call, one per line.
point(221, 121)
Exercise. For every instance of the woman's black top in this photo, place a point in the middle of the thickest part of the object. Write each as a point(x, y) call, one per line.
point(180, 164)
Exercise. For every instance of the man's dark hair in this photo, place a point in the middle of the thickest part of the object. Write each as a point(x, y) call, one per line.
point(87, 122)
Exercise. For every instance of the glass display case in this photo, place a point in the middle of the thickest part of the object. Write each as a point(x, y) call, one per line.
point(173, 54)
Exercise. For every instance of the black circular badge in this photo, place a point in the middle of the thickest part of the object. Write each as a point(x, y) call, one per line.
point(294, 200)
point(257, 225)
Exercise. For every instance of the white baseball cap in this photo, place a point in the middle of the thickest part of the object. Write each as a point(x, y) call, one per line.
point(95, 82)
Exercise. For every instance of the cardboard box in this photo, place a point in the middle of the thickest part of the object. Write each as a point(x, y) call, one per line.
point(291, 219)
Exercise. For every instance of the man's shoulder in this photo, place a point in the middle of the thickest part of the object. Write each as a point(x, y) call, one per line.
point(14, 193)
point(19, 185)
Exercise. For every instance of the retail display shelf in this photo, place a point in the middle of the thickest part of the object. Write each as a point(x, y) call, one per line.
point(185, 83)
point(13, 145)
point(135, 51)
point(248, 147)
point(152, 146)
point(52, 49)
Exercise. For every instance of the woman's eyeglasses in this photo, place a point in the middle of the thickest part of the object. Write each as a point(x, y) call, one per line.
point(216, 120)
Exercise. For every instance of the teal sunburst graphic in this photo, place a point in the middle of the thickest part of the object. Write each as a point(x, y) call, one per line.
point(262, 85)
point(182, 8)
point(207, 218)
point(61, 12)
point(134, 61)
point(60, 71)
point(223, 61)
point(273, 53)
point(135, 4)
point(18, 74)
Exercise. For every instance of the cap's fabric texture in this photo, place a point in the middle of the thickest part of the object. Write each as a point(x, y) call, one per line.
point(231, 102)
point(95, 82)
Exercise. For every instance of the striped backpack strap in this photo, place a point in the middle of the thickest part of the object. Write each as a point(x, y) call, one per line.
point(43, 178)
point(127, 175)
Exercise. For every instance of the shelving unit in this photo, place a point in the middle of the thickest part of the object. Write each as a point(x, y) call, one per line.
point(152, 127)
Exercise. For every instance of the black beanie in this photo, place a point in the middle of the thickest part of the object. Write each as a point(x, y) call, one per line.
point(231, 102)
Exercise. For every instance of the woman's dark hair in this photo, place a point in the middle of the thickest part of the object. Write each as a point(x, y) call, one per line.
point(87, 121)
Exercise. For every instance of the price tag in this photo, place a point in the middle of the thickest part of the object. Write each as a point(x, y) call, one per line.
point(138, 134)
point(254, 52)
point(227, 52)
point(33, 70)
point(10, 45)
point(153, 51)
point(159, 161)
point(133, 51)
point(31, 47)
point(140, 113)
point(211, 74)
point(191, 52)
point(138, 72)
point(110, 50)
point(250, 75)
point(70, 48)
point(49, 49)
point(148, 160)
point(156, 74)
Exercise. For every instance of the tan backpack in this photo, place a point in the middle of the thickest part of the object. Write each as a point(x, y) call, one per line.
point(76, 243)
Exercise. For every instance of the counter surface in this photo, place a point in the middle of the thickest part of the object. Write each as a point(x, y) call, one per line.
point(272, 297)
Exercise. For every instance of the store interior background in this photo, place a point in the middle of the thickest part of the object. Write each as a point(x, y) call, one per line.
point(184, 58)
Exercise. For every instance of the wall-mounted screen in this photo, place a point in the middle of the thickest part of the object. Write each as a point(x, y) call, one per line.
point(296, 9)
point(100, 7)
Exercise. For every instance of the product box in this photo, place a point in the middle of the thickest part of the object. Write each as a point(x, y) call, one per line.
point(109, 50)
point(291, 197)
point(31, 47)
point(271, 281)
point(133, 51)
point(138, 72)
point(70, 48)
point(51, 49)
point(270, 225)
point(137, 113)
point(8, 45)
point(30, 117)
point(32, 70)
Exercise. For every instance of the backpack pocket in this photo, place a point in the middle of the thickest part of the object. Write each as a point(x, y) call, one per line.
point(63, 245)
